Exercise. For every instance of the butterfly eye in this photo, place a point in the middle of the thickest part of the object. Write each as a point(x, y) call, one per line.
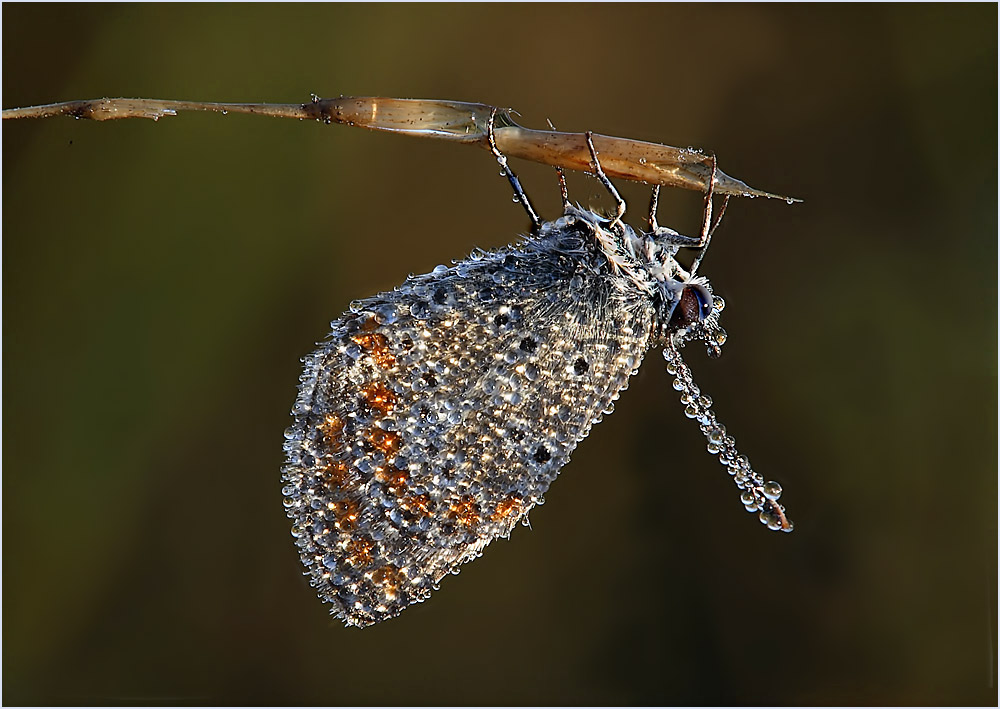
point(695, 305)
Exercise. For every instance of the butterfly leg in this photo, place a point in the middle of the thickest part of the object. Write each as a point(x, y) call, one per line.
point(708, 226)
point(599, 171)
point(563, 189)
point(519, 194)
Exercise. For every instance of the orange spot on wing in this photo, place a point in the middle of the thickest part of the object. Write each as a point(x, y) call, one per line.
point(388, 578)
point(385, 441)
point(359, 552)
point(465, 512)
point(379, 397)
point(417, 504)
point(377, 346)
point(393, 478)
point(334, 475)
point(346, 512)
point(505, 508)
point(331, 427)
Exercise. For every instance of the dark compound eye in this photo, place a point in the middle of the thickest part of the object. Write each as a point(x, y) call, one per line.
point(696, 303)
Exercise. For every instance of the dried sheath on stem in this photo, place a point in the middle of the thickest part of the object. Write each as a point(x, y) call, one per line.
point(456, 121)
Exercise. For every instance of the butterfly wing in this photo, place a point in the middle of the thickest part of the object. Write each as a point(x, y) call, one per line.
point(437, 415)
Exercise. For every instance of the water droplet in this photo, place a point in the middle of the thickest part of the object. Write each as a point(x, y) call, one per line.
point(386, 314)
point(717, 435)
point(772, 490)
point(772, 520)
point(419, 310)
point(354, 351)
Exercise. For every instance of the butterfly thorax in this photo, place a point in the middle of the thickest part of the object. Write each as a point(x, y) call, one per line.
point(641, 265)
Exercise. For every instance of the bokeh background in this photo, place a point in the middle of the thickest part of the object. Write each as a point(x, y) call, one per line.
point(161, 281)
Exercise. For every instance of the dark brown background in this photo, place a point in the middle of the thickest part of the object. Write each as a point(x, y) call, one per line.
point(161, 281)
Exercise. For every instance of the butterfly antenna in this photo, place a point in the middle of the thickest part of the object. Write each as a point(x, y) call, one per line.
point(708, 227)
point(756, 494)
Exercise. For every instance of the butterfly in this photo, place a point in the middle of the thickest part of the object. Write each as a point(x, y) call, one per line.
point(435, 416)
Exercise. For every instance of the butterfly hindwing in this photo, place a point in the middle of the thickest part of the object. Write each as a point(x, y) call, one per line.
point(437, 415)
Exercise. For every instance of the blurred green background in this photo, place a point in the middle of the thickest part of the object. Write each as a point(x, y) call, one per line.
point(161, 281)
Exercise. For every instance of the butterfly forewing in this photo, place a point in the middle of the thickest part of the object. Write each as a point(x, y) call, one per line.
point(437, 415)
